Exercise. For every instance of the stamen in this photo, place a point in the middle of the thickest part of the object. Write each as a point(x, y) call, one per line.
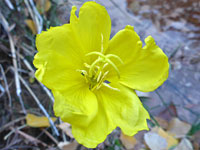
point(84, 73)
point(96, 74)
point(104, 58)
point(115, 56)
point(97, 86)
point(104, 66)
point(95, 53)
point(110, 87)
point(92, 66)
point(86, 65)
point(113, 65)
point(104, 75)
point(99, 76)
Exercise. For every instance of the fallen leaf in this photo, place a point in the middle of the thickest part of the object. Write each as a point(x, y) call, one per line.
point(171, 141)
point(68, 145)
point(37, 121)
point(185, 144)
point(43, 5)
point(155, 141)
point(66, 127)
point(178, 128)
point(129, 142)
point(163, 123)
point(31, 25)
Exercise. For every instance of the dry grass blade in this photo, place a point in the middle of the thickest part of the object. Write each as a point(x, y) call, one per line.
point(6, 85)
point(11, 123)
point(34, 15)
point(13, 52)
point(10, 5)
point(40, 105)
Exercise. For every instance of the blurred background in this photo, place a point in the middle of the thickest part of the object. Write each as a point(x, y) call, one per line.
point(26, 116)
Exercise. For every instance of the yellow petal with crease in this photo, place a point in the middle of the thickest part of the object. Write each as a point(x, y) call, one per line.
point(144, 69)
point(92, 27)
point(115, 108)
point(76, 105)
point(63, 41)
point(54, 71)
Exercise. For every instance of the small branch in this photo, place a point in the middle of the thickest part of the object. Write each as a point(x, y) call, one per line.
point(12, 131)
point(50, 136)
point(30, 138)
point(11, 123)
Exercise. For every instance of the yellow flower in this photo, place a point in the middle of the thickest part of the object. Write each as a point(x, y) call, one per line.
point(93, 78)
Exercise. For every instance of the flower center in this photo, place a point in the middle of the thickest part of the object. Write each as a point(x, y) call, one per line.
point(96, 73)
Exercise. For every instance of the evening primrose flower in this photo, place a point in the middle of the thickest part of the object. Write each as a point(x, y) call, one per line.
point(93, 78)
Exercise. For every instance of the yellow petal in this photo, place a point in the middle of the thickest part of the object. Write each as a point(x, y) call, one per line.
point(142, 120)
point(93, 26)
point(125, 44)
point(62, 40)
point(124, 108)
point(76, 105)
point(54, 71)
point(38, 121)
point(115, 108)
point(97, 131)
point(144, 69)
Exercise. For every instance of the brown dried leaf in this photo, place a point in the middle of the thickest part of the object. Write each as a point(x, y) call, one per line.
point(129, 142)
point(178, 128)
point(68, 146)
point(171, 141)
point(43, 5)
point(66, 127)
point(163, 123)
